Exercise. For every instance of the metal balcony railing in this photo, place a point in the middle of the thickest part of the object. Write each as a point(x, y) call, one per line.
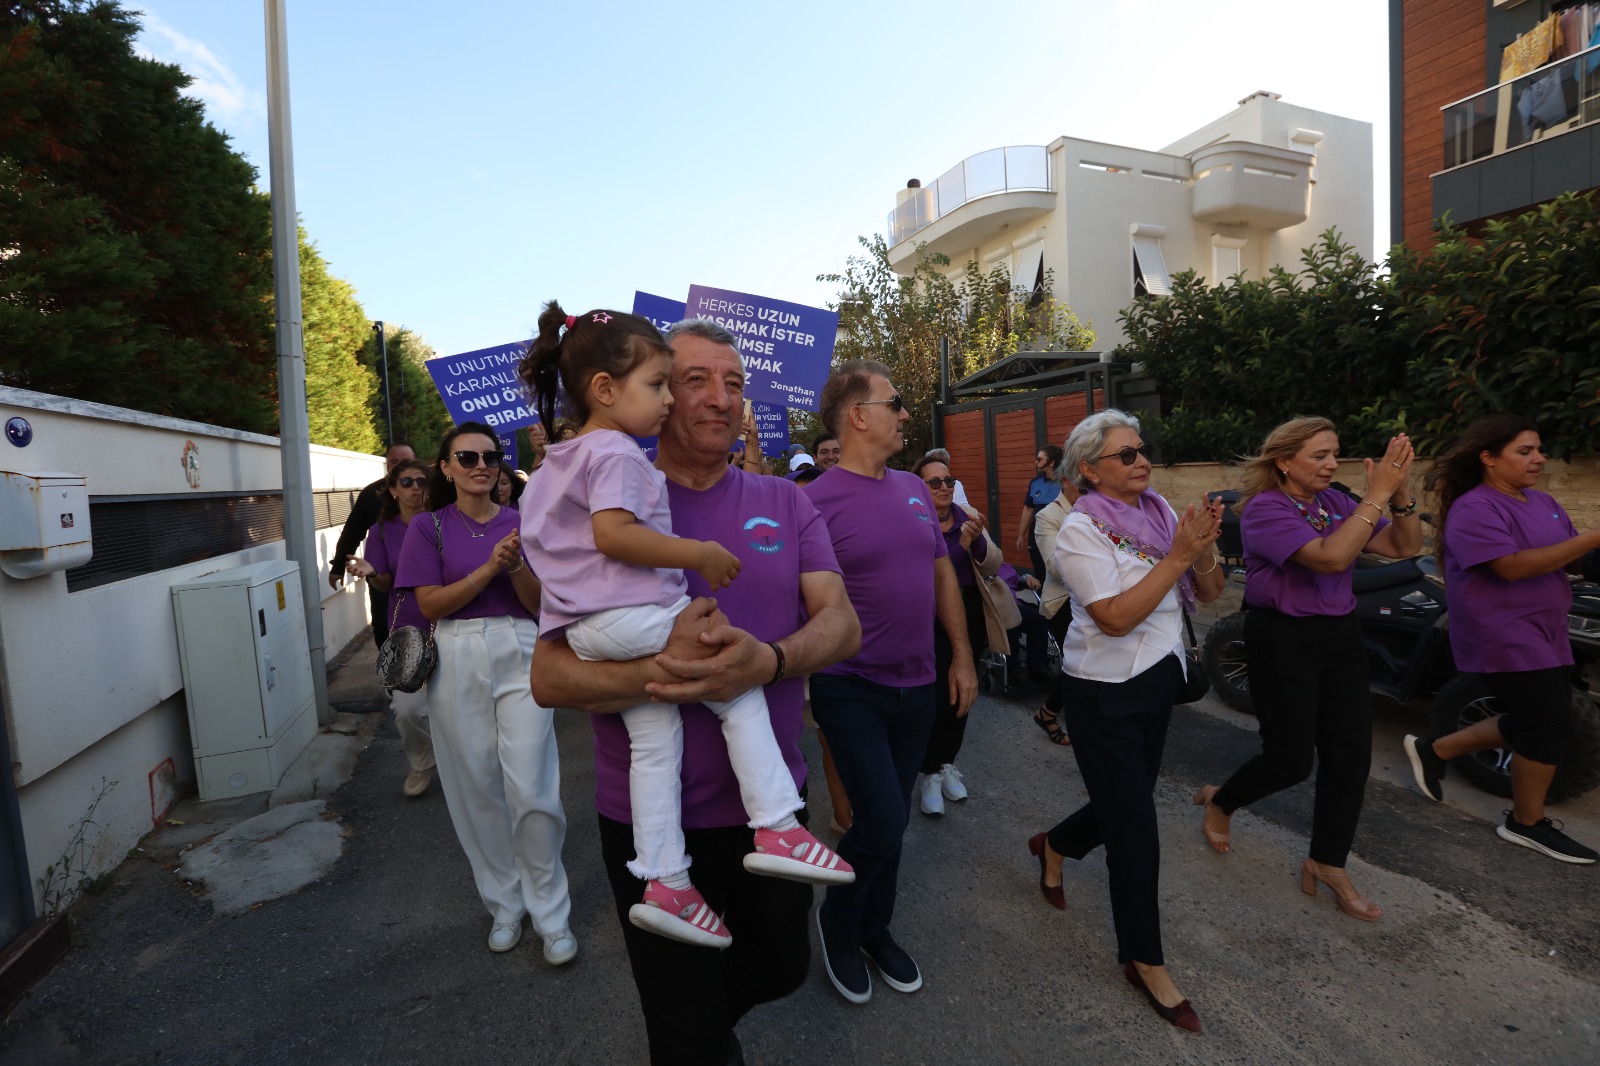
point(1014, 169)
point(1558, 96)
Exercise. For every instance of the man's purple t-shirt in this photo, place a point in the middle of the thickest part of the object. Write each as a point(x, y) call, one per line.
point(464, 551)
point(602, 470)
point(1273, 529)
point(778, 536)
point(1499, 626)
point(382, 550)
point(887, 537)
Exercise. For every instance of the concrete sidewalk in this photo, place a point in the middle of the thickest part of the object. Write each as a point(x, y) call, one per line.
point(1486, 952)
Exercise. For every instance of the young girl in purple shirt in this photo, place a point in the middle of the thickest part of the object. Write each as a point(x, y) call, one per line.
point(496, 747)
point(601, 541)
point(1506, 548)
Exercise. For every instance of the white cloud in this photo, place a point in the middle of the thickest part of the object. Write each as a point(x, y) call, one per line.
point(224, 93)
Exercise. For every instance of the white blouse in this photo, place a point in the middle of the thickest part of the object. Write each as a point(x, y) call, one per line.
point(1095, 569)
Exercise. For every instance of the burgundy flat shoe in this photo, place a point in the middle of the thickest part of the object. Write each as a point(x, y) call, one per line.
point(1183, 1015)
point(1054, 895)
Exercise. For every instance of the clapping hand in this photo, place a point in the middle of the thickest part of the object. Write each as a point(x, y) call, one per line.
point(971, 530)
point(1387, 476)
point(1198, 529)
point(508, 552)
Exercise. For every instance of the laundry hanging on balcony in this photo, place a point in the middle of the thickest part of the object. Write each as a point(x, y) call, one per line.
point(1532, 50)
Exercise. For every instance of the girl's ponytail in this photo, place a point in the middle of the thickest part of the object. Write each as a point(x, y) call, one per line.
point(540, 369)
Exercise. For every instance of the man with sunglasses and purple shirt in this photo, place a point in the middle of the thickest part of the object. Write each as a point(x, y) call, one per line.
point(793, 617)
point(876, 707)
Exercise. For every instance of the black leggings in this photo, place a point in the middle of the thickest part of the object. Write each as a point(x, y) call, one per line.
point(1309, 680)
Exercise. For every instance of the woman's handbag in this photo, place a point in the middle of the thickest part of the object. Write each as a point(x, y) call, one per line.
point(1000, 611)
point(408, 658)
point(1196, 682)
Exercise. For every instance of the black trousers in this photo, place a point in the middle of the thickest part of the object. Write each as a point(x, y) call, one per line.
point(692, 997)
point(379, 602)
point(1118, 733)
point(1059, 623)
point(944, 743)
point(1309, 680)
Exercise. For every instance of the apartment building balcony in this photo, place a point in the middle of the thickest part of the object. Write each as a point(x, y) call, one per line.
point(1522, 142)
point(972, 203)
point(1239, 183)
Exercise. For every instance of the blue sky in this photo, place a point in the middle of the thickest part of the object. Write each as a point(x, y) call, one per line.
point(461, 165)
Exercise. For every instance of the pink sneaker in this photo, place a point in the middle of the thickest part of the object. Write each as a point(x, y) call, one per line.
point(679, 914)
point(796, 855)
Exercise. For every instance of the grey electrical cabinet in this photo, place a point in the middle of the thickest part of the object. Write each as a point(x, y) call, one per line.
point(246, 675)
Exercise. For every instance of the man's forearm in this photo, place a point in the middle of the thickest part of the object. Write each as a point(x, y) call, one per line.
point(560, 679)
point(952, 613)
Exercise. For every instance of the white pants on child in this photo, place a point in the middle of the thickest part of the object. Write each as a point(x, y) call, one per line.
point(655, 742)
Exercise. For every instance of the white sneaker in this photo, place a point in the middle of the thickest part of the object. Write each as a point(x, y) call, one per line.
point(932, 796)
point(505, 936)
point(950, 781)
point(560, 948)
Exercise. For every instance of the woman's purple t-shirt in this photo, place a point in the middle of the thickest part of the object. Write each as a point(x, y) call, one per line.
point(960, 558)
point(1500, 626)
point(382, 550)
point(1273, 529)
point(778, 537)
point(887, 538)
point(464, 552)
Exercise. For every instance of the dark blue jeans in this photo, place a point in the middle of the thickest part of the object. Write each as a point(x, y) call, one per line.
point(878, 734)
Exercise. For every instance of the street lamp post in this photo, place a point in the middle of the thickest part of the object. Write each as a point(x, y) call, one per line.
point(388, 412)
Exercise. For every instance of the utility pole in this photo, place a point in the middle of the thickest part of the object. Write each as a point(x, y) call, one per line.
point(294, 434)
point(388, 412)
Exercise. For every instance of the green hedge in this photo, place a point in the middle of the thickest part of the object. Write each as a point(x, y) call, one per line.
point(1509, 320)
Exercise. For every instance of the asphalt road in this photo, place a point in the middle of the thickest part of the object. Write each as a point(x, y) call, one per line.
point(1487, 953)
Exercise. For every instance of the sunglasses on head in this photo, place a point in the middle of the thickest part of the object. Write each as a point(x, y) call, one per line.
point(412, 482)
point(470, 459)
point(941, 482)
point(1127, 455)
point(895, 402)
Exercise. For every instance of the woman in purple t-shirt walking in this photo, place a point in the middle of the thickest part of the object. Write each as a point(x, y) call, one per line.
point(496, 747)
point(1308, 668)
point(1505, 547)
point(407, 493)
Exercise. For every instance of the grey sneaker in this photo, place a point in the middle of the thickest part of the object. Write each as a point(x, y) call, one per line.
point(1548, 838)
point(1426, 767)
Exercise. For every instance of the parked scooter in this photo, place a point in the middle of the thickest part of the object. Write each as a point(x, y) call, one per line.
point(1406, 631)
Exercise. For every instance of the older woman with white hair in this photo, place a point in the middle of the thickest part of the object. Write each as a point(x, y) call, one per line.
point(1132, 567)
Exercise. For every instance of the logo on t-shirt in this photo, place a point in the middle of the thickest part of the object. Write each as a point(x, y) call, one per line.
point(919, 508)
point(764, 534)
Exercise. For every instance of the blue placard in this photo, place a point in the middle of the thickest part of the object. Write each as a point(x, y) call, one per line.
point(787, 348)
point(659, 311)
point(482, 386)
point(772, 423)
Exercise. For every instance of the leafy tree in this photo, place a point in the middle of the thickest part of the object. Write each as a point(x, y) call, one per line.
point(1506, 322)
point(1236, 359)
point(900, 320)
point(133, 250)
point(420, 417)
point(341, 386)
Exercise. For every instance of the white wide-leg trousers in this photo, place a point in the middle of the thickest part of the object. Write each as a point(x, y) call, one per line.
point(499, 768)
point(411, 721)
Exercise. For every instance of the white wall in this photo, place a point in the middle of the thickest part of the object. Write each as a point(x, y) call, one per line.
point(107, 703)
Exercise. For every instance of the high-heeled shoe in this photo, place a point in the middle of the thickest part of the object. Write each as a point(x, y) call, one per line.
point(1183, 1015)
point(1355, 904)
point(1202, 799)
point(1053, 894)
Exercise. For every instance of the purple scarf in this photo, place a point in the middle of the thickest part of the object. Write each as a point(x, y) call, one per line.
point(1145, 530)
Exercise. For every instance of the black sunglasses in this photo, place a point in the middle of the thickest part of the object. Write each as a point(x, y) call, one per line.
point(470, 459)
point(412, 482)
point(1127, 455)
point(941, 482)
point(895, 402)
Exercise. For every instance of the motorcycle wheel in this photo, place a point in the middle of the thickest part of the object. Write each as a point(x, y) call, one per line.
point(1465, 700)
point(1227, 663)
